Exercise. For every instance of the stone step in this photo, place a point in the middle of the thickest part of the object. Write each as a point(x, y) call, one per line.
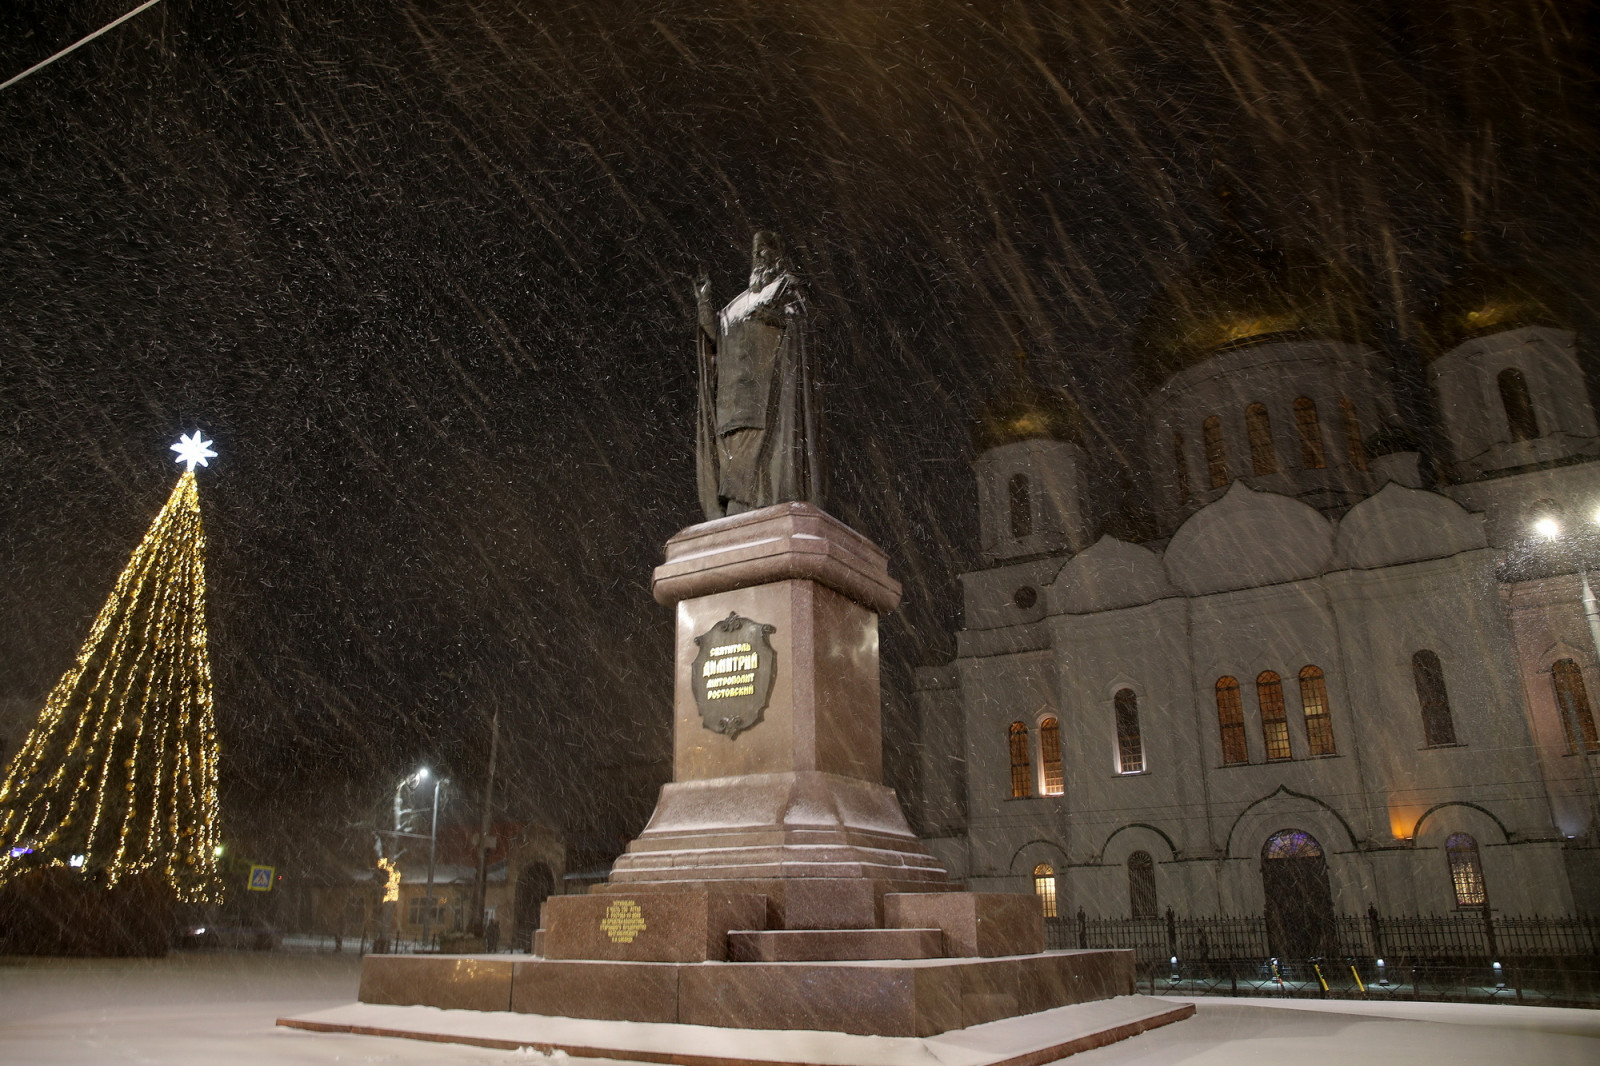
point(833, 945)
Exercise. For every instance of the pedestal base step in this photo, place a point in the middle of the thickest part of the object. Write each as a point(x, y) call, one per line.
point(833, 945)
point(1025, 1041)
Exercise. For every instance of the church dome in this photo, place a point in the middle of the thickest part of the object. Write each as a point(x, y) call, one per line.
point(1485, 299)
point(1243, 293)
point(1025, 410)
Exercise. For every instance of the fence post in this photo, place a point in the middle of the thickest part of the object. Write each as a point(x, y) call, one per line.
point(1172, 933)
point(1488, 934)
point(1083, 929)
point(1377, 931)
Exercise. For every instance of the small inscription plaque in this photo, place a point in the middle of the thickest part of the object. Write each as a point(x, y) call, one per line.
point(733, 674)
point(623, 921)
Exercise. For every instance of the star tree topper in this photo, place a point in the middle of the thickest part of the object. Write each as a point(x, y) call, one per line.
point(192, 449)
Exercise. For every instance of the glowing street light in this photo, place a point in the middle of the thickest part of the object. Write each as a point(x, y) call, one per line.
point(1548, 528)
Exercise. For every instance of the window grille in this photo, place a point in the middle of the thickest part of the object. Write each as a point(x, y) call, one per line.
point(1141, 885)
point(1274, 715)
point(1021, 507)
point(1130, 747)
point(1180, 468)
point(1258, 428)
point(1314, 701)
point(1050, 755)
point(1518, 403)
point(1216, 451)
point(1438, 725)
point(1312, 456)
point(1044, 886)
point(1230, 719)
point(1352, 435)
point(1021, 770)
point(1572, 699)
point(1466, 870)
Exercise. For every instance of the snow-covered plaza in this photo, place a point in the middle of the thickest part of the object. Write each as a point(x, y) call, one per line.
point(221, 1007)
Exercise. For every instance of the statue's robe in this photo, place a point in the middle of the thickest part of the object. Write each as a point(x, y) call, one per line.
point(757, 442)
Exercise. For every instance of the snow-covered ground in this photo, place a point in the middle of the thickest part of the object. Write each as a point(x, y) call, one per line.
point(192, 1009)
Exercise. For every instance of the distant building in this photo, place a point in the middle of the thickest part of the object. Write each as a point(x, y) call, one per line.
point(1334, 676)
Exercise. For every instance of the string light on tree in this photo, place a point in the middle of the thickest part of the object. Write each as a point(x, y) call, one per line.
point(119, 775)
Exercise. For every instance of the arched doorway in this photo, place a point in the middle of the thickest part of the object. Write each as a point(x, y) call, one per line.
point(534, 884)
point(1299, 902)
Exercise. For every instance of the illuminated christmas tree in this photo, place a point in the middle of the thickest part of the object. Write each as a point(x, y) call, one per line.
point(118, 777)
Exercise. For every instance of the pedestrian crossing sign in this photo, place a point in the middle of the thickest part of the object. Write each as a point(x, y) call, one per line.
point(261, 878)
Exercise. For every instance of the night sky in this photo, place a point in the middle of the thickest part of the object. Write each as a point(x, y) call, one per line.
point(422, 271)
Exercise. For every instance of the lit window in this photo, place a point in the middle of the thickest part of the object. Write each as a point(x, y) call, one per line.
point(1258, 428)
point(1572, 699)
point(1352, 435)
point(1130, 747)
point(1021, 770)
point(1141, 885)
point(1305, 419)
point(1021, 507)
point(1466, 870)
point(1216, 451)
point(1180, 468)
point(1438, 725)
point(1044, 886)
point(1518, 404)
point(1230, 719)
point(1274, 715)
point(1050, 755)
point(1314, 701)
point(1291, 844)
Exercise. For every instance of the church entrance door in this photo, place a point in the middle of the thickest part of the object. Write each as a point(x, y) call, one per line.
point(1299, 901)
point(534, 885)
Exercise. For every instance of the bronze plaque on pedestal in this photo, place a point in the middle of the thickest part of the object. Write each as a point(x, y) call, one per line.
point(733, 674)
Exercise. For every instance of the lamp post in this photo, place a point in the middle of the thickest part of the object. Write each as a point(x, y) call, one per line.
point(399, 833)
point(433, 847)
point(1549, 528)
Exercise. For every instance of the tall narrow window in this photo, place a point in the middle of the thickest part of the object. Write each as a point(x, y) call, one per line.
point(1044, 886)
point(1021, 768)
point(1274, 715)
point(1352, 435)
point(1141, 885)
point(1305, 420)
point(1021, 507)
point(1314, 701)
point(1180, 468)
point(1438, 726)
point(1518, 402)
point(1572, 699)
point(1130, 747)
point(1466, 870)
point(1216, 451)
point(1258, 428)
point(1050, 755)
point(1230, 719)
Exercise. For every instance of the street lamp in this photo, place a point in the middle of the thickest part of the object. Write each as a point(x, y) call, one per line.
point(410, 781)
point(433, 847)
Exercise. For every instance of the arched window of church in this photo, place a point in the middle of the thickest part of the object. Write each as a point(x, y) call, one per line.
point(1021, 506)
point(1258, 428)
point(1352, 435)
point(1021, 767)
point(1572, 699)
point(1314, 701)
point(1180, 468)
point(1130, 746)
point(1141, 885)
point(1230, 719)
point(1216, 451)
point(1050, 755)
point(1466, 870)
point(1044, 886)
point(1438, 725)
point(1305, 420)
point(1274, 715)
point(1518, 402)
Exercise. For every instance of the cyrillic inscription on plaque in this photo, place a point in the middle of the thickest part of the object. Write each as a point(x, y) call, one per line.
point(733, 674)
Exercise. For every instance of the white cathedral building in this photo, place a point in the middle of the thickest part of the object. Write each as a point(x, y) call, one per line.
point(1332, 679)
